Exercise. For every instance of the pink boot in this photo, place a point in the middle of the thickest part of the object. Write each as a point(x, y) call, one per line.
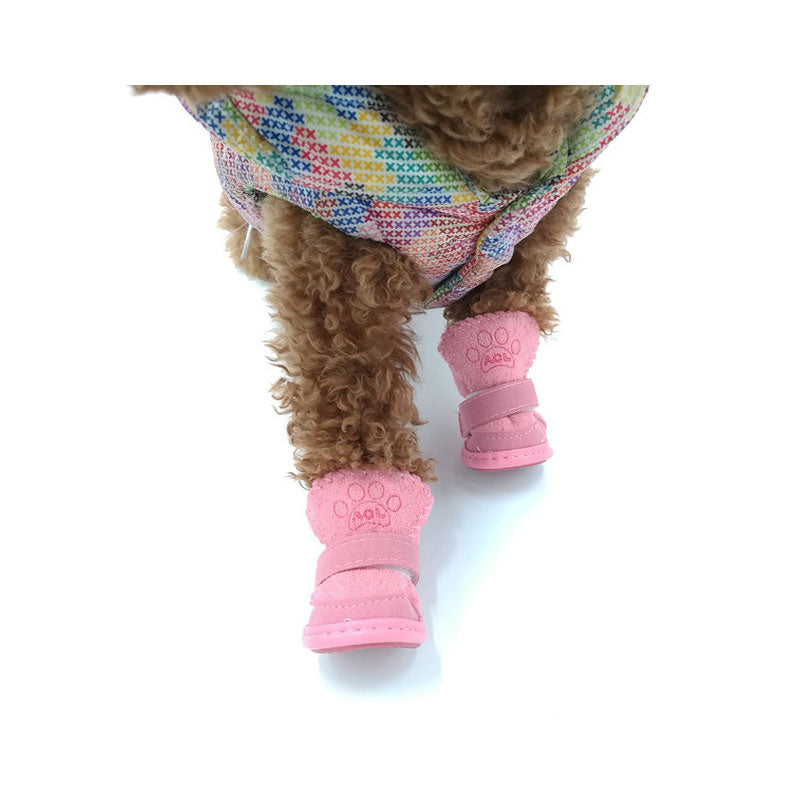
point(369, 522)
point(489, 356)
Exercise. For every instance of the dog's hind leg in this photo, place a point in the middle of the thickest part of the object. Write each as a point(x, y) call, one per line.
point(492, 341)
point(521, 285)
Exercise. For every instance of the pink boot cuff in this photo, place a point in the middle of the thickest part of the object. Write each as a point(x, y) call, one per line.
point(369, 521)
point(490, 349)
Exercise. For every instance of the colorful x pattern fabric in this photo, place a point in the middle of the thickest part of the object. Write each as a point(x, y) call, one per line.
point(341, 153)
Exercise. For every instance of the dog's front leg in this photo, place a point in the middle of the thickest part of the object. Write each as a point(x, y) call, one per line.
point(342, 306)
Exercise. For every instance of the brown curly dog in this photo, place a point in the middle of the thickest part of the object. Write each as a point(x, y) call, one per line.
point(343, 304)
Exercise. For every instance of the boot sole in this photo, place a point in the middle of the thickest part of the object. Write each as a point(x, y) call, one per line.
point(507, 459)
point(364, 633)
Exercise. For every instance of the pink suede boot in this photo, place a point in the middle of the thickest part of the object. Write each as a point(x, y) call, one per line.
point(490, 356)
point(369, 521)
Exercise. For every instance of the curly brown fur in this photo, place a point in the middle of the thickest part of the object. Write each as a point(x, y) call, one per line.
point(521, 285)
point(343, 306)
point(499, 135)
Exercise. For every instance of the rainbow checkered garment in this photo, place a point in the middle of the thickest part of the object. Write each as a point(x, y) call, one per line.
point(341, 153)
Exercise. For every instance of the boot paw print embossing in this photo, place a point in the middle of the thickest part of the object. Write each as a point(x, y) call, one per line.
point(493, 351)
point(368, 506)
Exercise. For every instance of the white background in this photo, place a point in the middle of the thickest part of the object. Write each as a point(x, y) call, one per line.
point(621, 622)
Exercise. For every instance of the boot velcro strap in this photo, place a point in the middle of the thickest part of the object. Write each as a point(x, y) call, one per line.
point(370, 550)
point(496, 403)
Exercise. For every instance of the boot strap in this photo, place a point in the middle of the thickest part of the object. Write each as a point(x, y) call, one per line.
point(371, 550)
point(496, 403)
